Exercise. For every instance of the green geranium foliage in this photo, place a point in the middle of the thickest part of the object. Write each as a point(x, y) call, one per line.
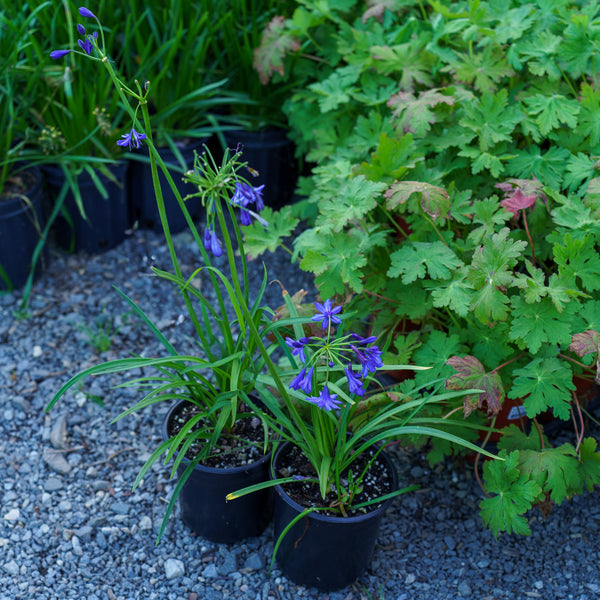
point(456, 186)
point(544, 383)
point(513, 494)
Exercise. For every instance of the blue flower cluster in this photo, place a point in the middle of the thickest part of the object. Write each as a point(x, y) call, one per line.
point(85, 44)
point(344, 352)
point(243, 197)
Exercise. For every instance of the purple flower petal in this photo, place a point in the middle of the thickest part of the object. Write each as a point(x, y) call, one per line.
point(59, 53)
point(325, 400)
point(369, 358)
point(303, 381)
point(207, 238)
point(85, 12)
point(354, 383)
point(215, 244)
point(131, 139)
point(327, 314)
point(297, 346)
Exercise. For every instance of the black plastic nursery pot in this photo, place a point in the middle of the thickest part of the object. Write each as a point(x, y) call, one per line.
point(107, 219)
point(21, 226)
point(322, 551)
point(204, 508)
point(142, 199)
point(270, 154)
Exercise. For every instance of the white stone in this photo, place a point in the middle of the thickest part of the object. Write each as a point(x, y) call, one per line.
point(37, 351)
point(145, 523)
point(174, 568)
point(12, 515)
point(12, 568)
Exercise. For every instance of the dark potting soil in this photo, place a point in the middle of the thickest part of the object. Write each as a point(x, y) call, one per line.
point(241, 445)
point(18, 184)
point(376, 482)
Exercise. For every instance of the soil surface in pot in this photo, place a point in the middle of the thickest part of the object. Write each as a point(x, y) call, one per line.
point(18, 184)
point(376, 482)
point(242, 445)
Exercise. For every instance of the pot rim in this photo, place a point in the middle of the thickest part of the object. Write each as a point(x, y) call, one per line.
point(327, 518)
point(226, 471)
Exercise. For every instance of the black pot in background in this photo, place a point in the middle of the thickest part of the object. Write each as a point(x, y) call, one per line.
point(107, 219)
point(325, 552)
point(202, 499)
point(142, 201)
point(21, 226)
point(271, 154)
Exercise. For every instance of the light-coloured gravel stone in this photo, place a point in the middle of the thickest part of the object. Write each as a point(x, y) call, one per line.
point(174, 568)
point(56, 461)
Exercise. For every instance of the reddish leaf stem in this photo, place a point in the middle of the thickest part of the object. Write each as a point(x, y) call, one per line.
point(476, 465)
point(579, 431)
point(529, 238)
point(506, 363)
point(540, 432)
point(576, 362)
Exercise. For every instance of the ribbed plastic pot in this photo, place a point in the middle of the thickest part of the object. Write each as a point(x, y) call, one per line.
point(325, 552)
point(142, 200)
point(202, 499)
point(271, 154)
point(21, 225)
point(107, 218)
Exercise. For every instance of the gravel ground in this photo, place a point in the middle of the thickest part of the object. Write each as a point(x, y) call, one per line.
point(70, 527)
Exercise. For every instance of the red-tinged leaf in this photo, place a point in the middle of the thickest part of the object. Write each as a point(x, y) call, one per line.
point(587, 342)
point(274, 45)
point(434, 200)
point(518, 201)
point(529, 187)
point(584, 343)
point(378, 7)
point(472, 375)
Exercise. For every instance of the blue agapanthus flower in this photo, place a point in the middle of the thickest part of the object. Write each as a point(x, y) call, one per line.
point(59, 53)
point(303, 381)
point(131, 139)
point(86, 12)
point(327, 314)
point(297, 346)
point(355, 385)
point(325, 400)
point(245, 194)
point(85, 44)
point(369, 358)
point(211, 242)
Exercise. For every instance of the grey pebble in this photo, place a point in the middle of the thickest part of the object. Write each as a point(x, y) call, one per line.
point(210, 571)
point(58, 432)
point(11, 567)
point(254, 562)
point(174, 568)
point(228, 565)
point(120, 508)
point(56, 461)
point(53, 484)
point(464, 589)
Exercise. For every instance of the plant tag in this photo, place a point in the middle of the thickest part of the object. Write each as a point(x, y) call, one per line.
point(516, 412)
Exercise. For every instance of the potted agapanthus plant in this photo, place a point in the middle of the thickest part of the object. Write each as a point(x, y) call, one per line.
point(332, 477)
point(75, 129)
point(186, 110)
point(213, 418)
point(21, 218)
